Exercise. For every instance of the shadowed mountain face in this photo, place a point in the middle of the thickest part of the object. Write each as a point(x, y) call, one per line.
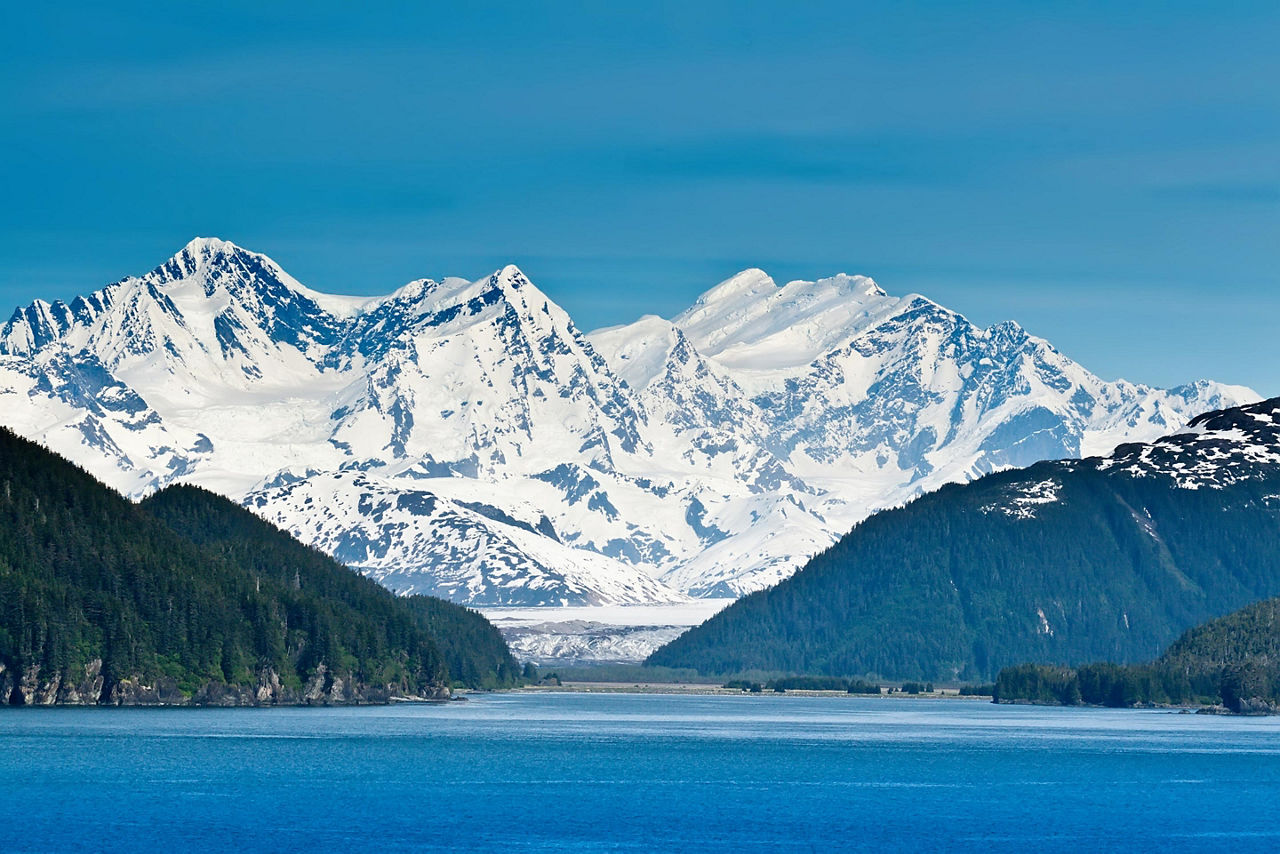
point(465, 438)
point(1108, 558)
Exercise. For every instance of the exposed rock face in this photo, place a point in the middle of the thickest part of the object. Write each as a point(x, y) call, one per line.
point(1256, 706)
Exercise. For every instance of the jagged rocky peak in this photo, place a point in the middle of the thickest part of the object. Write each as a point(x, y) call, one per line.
point(200, 252)
point(511, 276)
point(219, 266)
point(215, 264)
point(1008, 331)
point(483, 377)
point(455, 302)
point(210, 291)
point(214, 257)
point(34, 326)
point(535, 307)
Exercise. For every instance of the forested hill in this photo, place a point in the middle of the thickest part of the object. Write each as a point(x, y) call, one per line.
point(473, 649)
point(1100, 559)
point(190, 599)
point(1248, 636)
point(1233, 660)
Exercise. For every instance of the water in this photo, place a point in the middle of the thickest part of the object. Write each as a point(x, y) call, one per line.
point(594, 772)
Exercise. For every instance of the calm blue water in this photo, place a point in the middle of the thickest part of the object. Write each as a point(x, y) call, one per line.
point(587, 772)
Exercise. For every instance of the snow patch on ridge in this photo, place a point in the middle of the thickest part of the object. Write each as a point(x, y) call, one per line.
point(1023, 504)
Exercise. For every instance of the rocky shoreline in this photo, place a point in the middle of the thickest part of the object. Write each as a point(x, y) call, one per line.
point(324, 688)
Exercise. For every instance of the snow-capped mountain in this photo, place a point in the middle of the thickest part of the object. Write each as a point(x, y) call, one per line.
point(853, 400)
point(465, 438)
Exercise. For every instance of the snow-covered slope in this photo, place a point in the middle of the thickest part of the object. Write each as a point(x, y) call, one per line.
point(465, 438)
point(476, 552)
point(852, 400)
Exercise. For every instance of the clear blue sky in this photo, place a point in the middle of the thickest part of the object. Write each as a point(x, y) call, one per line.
point(1107, 174)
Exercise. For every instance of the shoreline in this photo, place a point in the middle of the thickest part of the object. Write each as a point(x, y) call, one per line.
point(709, 689)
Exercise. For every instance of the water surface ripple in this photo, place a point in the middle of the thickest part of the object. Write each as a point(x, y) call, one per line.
point(625, 772)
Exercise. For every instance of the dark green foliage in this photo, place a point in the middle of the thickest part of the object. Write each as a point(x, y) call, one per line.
point(744, 685)
point(473, 647)
point(1249, 688)
point(1038, 683)
point(783, 684)
point(324, 612)
point(1114, 685)
point(950, 587)
point(1250, 635)
point(857, 686)
point(1232, 659)
point(186, 590)
point(808, 683)
point(474, 652)
point(977, 690)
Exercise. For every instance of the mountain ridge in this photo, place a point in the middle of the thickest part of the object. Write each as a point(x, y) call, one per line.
point(1105, 558)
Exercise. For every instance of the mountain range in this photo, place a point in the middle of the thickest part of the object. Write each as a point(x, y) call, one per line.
point(466, 439)
point(1108, 558)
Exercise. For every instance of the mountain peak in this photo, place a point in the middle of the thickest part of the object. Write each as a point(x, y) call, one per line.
point(511, 277)
point(752, 282)
point(212, 263)
point(854, 285)
point(201, 251)
point(751, 322)
point(1007, 330)
point(209, 245)
point(204, 253)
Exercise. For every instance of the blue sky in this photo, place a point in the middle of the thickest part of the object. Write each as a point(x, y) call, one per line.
point(1106, 174)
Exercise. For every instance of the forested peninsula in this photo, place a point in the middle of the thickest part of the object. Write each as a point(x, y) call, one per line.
point(188, 599)
point(1233, 661)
